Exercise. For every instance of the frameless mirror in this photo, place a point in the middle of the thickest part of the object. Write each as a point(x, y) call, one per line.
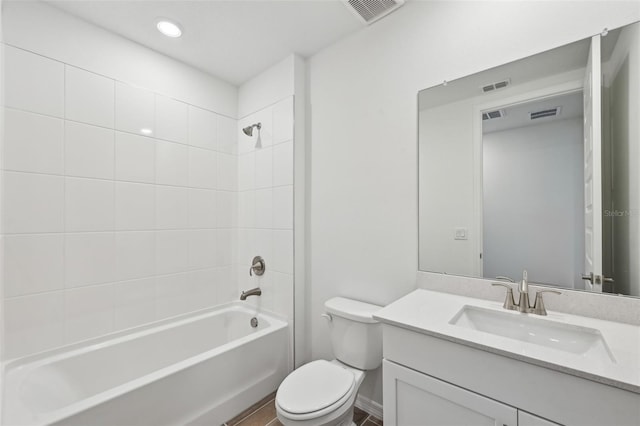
point(535, 165)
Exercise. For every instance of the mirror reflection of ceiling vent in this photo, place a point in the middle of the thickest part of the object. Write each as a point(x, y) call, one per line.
point(495, 86)
point(490, 115)
point(369, 11)
point(549, 112)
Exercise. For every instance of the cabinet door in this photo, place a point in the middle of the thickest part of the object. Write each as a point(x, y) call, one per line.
point(526, 419)
point(415, 399)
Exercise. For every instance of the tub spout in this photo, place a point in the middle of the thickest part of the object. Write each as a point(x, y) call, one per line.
point(253, 292)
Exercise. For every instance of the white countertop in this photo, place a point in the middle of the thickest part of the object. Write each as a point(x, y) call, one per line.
point(430, 312)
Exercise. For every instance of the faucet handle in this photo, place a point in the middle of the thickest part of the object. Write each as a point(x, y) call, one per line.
point(538, 305)
point(509, 302)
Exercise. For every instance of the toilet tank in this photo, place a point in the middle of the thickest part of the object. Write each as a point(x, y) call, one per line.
point(356, 337)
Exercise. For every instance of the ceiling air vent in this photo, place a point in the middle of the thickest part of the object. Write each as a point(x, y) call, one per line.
point(371, 10)
point(490, 115)
point(495, 86)
point(549, 112)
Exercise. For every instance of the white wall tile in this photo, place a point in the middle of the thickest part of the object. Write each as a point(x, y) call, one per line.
point(88, 151)
point(224, 247)
point(33, 83)
point(265, 118)
point(171, 207)
point(283, 164)
point(264, 168)
point(226, 209)
point(135, 158)
point(226, 286)
point(88, 312)
point(33, 142)
point(264, 208)
point(33, 263)
point(172, 295)
point(90, 258)
point(171, 163)
point(135, 255)
point(283, 120)
point(202, 128)
point(89, 205)
point(246, 172)
point(283, 207)
point(227, 169)
point(202, 286)
point(283, 251)
point(33, 323)
point(135, 206)
point(171, 119)
point(33, 203)
point(202, 168)
point(202, 248)
point(172, 252)
point(135, 109)
point(246, 144)
point(227, 135)
point(246, 209)
point(134, 303)
point(245, 248)
point(89, 97)
point(263, 244)
point(267, 298)
point(202, 208)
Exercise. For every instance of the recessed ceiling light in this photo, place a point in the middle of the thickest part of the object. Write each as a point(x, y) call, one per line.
point(146, 131)
point(168, 28)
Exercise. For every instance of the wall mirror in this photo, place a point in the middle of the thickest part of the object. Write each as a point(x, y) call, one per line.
point(536, 165)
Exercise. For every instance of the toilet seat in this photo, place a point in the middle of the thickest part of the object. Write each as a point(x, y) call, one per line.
point(314, 390)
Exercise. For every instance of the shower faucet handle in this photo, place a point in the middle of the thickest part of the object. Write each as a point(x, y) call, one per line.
point(257, 265)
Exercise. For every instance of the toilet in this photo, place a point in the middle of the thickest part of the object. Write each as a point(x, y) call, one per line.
point(323, 393)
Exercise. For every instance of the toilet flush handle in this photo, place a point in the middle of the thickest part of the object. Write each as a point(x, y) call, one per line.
point(327, 316)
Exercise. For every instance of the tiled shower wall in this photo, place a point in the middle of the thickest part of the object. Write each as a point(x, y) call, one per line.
point(119, 205)
point(265, 206)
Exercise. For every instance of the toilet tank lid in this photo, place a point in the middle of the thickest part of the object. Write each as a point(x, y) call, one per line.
point(352, 309)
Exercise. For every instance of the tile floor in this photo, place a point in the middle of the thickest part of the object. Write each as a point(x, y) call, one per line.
point(263, 413)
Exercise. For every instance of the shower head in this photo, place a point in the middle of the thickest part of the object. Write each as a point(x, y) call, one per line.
point(249, 129)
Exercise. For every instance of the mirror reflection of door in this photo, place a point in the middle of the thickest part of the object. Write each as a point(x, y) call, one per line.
point(532, 189)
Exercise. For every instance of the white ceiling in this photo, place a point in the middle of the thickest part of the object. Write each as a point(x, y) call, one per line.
point(518, 115)
point(230, 39)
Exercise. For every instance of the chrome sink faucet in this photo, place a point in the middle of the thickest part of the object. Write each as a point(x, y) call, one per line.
point(523, 301)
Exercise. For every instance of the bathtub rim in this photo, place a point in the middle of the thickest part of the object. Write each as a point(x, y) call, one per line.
point(33, 361)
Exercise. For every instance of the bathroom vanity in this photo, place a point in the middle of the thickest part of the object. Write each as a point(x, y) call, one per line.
point(451, 360)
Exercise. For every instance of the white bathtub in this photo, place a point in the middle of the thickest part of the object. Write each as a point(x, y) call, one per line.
point(197, 369)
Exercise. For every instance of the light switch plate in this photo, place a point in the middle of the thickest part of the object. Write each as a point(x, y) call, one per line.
point(460, 233)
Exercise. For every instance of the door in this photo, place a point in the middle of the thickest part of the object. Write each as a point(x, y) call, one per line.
point(412, 398)
point(593, 170)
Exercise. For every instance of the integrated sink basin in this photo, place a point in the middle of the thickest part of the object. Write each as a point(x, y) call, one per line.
point(582, 341)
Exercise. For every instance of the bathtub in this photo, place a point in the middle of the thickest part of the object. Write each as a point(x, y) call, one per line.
point(202, 368)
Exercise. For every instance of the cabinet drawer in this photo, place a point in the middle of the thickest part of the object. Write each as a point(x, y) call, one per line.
point(413, 398)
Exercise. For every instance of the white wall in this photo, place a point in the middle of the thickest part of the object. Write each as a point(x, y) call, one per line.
point(533, 203)
point(363, 117)
point(106, 228)
point(622, 77)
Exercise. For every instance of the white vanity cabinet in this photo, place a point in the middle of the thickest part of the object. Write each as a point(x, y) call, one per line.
point(438, 381)
point(419, 399)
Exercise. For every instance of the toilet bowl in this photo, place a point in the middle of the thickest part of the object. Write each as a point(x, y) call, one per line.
point(323, 393)
point(320, 393)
